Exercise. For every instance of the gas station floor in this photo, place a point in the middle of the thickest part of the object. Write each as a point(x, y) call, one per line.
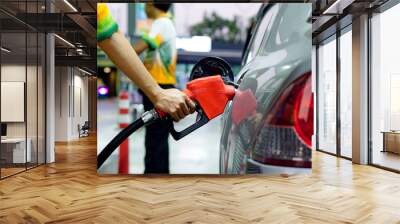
point(197, 153)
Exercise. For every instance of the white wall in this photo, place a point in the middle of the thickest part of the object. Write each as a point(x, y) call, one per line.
point(62, 81)
point(12, 73)
point(71, 102)
point(33, 126)
point(80, 109)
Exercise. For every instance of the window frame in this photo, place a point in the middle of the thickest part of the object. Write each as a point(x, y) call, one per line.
point(260, 19)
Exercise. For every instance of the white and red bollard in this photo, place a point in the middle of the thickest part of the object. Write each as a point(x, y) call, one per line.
point(124, 121)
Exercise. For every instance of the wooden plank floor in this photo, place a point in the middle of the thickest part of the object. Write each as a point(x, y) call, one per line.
point(70, 191)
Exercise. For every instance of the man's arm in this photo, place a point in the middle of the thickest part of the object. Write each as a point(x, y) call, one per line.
point(140, 46)
point(119, 50)
point(171, 101)
point(151, 40)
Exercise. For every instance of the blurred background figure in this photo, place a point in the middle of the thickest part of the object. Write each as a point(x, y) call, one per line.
point(202, 30)
point(159, 46)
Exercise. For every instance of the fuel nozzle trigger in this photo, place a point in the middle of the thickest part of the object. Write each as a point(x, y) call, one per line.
point(200, 121)
point(211, 95)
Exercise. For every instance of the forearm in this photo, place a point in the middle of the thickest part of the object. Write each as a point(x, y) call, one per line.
point(140, 46)
point(118, 50)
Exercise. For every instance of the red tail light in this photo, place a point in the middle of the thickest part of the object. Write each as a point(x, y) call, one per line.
point(295, 109)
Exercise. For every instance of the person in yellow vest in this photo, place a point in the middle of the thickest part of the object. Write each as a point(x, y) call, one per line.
point(159, 48)
point(169, 100)
point(119, 50)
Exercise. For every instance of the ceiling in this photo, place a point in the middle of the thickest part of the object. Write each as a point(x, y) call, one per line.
point(72, 20)
point(332, 15)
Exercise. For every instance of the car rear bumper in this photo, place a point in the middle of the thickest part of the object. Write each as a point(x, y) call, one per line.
point(276, 169)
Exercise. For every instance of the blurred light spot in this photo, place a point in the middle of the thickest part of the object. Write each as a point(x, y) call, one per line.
point(107, 70)
point(102, 90)
point(194, 44)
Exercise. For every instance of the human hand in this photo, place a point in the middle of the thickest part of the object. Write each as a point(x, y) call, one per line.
point(174, 102)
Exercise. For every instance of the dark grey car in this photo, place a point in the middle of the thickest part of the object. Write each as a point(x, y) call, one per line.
point(269, 124)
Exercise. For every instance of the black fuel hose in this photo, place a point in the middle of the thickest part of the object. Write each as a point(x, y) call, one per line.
point(117, 140)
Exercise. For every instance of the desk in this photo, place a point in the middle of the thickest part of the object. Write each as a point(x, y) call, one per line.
point(391, 141)
point(15, 148)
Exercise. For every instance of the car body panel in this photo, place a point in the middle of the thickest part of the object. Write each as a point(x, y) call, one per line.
point(263, 78)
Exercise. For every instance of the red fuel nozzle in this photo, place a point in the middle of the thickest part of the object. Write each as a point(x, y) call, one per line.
point(210, 93)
